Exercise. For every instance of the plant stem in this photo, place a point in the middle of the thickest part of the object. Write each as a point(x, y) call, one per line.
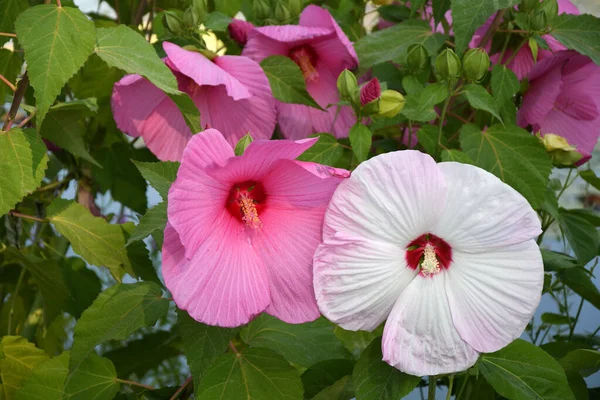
point(566, 185)
point(8, 34)
point(462, 387)
point(442, 119)
point(14, 299)
point(181, 388)
point(24, 216)
point(515, 52)
point(572, 330)
point(58, 4)
point(19, 93)
point(232, 347)
point(432, 387)
point(566, 304)
point(593, 334)
point(492, 29)
point(450, 384)
point(26, 120)
point(131, 383)
point(10, 85)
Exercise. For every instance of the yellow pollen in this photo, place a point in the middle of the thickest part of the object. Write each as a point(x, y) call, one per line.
point(250, 213)
point(430, 264)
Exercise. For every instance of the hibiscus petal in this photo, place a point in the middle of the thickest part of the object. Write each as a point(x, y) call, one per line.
point(493, 295)
point(357, 282)
point(419, 337)
point(224, 283)
point(482, 212)
point(142, 109)
point(541, 95)
point(278, 40)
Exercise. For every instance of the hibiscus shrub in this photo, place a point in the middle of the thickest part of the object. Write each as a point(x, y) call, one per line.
point(294, 199)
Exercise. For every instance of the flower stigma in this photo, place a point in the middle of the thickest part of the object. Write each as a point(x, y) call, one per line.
point(306, 58)
point(430, 264)
point(245, 202)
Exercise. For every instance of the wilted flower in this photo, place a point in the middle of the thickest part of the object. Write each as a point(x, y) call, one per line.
point(238, 30)
point(563, 98)
point(445, 252)
point(322, 51)
point(231, 92)
point(242, 231)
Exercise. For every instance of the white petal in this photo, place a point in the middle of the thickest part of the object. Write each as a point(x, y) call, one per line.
point(483, 212)
point(358, 282)
point(493, 295)
point(394, 197)
point(419, 336)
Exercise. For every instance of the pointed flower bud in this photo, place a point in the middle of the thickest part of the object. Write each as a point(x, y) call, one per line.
point(539, 21)
point(390, 103)
point(550, 7)
point(475, 64)
point(238, 30)
point(447, 65)
point(173, 21)
point(416, 57)
point(262, 9)
point(282, 12)
point(561, 152)
point(370, 91)
point(346, 84)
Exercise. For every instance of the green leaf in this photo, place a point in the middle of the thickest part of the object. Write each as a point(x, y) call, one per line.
point(23, 161)
point(303, 344)
point(505, 84)
point(360, 140)
point(10, 11)
point(95, 79)
point(287, 82)
point(202, 344)
point(257, 374)
point(578, 386)
point(96, 378)
point(46, 380)
point(228, 7)
point(139, 260)
point(343, 389)
point(419, 106)
point(161, 175)
point(324, 374)
point(153, 220)
point(439, 9)
point(57, 41)
point(584, 361)
point(512, 154)
point(457, 156)
point(554, 261)
point(118, 312)
point(326, 151)
point(391, 44)
point(523, 371)
point(556, 319)
point(428, 138)
point(18, 358)
point(10, 66)
point(189, 111)
point(580, 33)
point(468, 15)
point(579, 280)
point(217, 21)
point(475, 388)
point(480, 99)
point(374, 379)
point(590, 177)
point(582, 235)
point(357, 341)
point(82, 283)
point(394, 12)
point(241, 145)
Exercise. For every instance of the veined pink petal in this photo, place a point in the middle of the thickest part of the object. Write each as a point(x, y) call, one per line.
point(521, 64)
point(269, 41)
point(493, 294)
point(142, 109)
point(323, 171)
point(419, 337)
point(209, 148)
point(224, 283)
point(565, 6)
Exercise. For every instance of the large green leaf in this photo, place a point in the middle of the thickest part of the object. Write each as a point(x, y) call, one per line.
point(523, 371)
point(357, 341)
point(324, 374)
point(153, 220)
point(360, 139)
point(580, 281)
point(468, 15)
point(23, 161)
point(439, 8)
point(326, 151)
point(480, 99)
point(513, 155)
point(10, 66)
point(82, 283)
point(18, 358)
point(116, 313)
point(584, 361)
point(505, 84)
point(342, 389)
point(582, 235)
point(10, 10)
point(57, 41)
point(257, 374)
point(374, 379)
point(580, 33)
point(419, 106)
point(96, 378)
point(160, 175)
point(287, 82)
point(390, 44)
point(456, 156)
point(554, 261)
point(303, 344)
point(46, 380)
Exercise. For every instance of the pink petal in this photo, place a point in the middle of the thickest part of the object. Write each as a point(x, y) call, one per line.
point(554, 46)
point(419, 337)
point(580, 133)
point(494, 294)
point(323, 171)
point(208, 148)
point(278, 40)
point(541, 94)
point(224, 283)
point(141, 109)
point(565, 6)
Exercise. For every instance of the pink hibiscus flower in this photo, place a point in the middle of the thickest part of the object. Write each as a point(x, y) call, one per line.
point(564, 99)
point(242, 231)
point(445, 252)
point(231, 92)
point(322, 51)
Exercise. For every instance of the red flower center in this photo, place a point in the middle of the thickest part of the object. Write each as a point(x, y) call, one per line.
point(245, 202)
point(428, 254)
point(306, 58)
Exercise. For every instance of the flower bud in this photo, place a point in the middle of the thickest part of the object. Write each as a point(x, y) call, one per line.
point(390, 103)
point(200, 7)
point(475, 64)
point(173, 22)
point(539, 21)
point(262, 9)
point(447, 65)
point(238, 30)
point(346, 84)
point(370, 91)
point(550, 7)
point(282, 12)
point(416, 57)
point(295, 6)
point(561, 152)
point(190, 18)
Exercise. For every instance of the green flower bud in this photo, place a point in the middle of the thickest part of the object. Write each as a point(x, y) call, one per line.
point(539, 21)
point(447, 65)
point(550, 7)
point(346, 85)
point(190, 18)
point(262, 9)
point(295, 6)
point(200, 7)
point(173, 21)
point(475, 64)
point(282, 12)
point(390, 103)
point(416, 57)
point(528, 5)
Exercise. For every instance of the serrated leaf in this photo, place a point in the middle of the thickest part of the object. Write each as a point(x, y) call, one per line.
point(581, 235)
point(342, 389)
point(57, 41)
point(153, 220)
point(360, 139)
point(96, 378)
point(579, 280)
point(419, 106)
point(324, 374)
point(257, 374)
point(580, 33)
point(10, 66)
point(523, 371)
point(505, 84)
point(161, 175)
point(428, 138)
point(23, 161)
point(18, 358)
point(584, 361)
point(46, 380)
point(139, 259)
point(286, 81)
point(512, 154)
point(326, 151)
point(457, 156)
point(390, 44)
point(82, 283)
point(116, 313)
point(374, 379)
point(303, 344)
point(10, 10)
point(468, 15)
point(95, 79)
point(554, 261)
point(480, 99)
point(217, 21)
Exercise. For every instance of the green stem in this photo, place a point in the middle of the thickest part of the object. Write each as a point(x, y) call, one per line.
point(593, 334)
point(462, 387)
point(572, 330)
point(450, 384)
point(566, 185)
point(14, 299)
point(514, 54)
point(440, 131)
point(131, 383)
point(432, 387)
point(566, 305)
